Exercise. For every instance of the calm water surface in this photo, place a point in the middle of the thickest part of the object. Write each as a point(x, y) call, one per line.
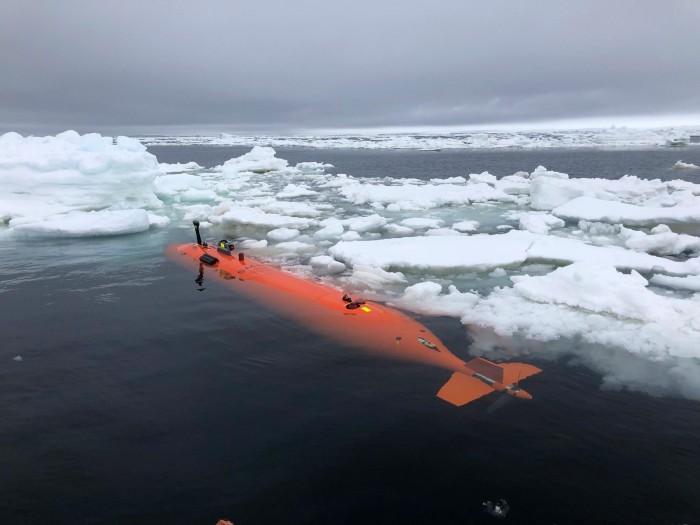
point(139, 399)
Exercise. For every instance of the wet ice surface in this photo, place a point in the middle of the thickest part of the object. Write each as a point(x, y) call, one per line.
point(470, 245)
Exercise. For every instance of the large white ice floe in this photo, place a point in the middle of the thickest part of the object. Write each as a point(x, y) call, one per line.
point(44, 178)
point(86, 224)
point(593, 209)
point(610, 320)
point(483, 252)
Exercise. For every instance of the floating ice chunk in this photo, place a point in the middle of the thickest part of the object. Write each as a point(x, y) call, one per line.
point(486, 252)
point(599, 228)
point(178, 167)
point(592, 209)
point(442, 231)
point(685, 166)
point(397, 230)
point(253, 244)
point(417, 223)
point(158, 221)
point(294, 247)
point(350, 236)
point(460, 253)
point(498, 272)
point(127, 143)
point(514, 185)
point(326, 264)
point(484, 177)
point(44, 176)
point(292, 191)
point(374, 277)
point(548, 248)
point(600, 306)
point(194, 195)
point(297, 209)
point(171, 185)
point(282, 234)
point(258, 160)
point(313, 167)
point(417, 196)
point(17, 358)
point(86, 224)
point(662, 241)
point(255, 217)
point(449, 180)
point(539, 222)
point(366, 224)
point(541, 171)
point(466, 226)
point(332, 229)
point(426, 298)
point(547, 193)
point(691, 282)
point(588, 286)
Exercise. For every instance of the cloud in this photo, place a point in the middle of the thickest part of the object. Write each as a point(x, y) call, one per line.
point(288, 65)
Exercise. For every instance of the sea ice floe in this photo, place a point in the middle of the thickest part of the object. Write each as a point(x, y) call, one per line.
point(238, 215)
point(258, 160)
point(486, 252)
point(418, 223)
point(541, 223)
point(86, 224)
point(610, 320)
point(691, 282)
point(466, 226)
point(43, 178)
point(598, 210)
point(282, 234)
point(178, 167)
point(685, 166)
point(325, 265)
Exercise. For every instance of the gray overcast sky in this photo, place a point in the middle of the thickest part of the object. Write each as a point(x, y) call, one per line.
point(287, 66)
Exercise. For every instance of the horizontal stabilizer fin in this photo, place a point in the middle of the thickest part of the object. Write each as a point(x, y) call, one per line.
point(462, 389)
point(514, 372)
point(504, 373)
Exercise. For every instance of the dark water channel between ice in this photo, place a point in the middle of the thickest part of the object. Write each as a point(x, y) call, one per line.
point(139, 399)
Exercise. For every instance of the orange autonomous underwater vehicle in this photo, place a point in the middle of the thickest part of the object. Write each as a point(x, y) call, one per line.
point(365, 324)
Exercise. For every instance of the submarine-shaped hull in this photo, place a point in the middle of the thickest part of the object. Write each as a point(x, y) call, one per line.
point(368, 325)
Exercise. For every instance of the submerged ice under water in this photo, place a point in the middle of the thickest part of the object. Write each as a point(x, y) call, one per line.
point(535, 261)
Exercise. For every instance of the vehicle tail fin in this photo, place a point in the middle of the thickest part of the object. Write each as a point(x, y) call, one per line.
point(504, 373)
point(462, 389)
point(515, 372)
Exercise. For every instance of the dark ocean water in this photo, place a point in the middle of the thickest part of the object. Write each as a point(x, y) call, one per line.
point(139, 399)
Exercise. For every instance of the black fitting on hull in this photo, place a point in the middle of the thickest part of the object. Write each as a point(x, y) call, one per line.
point(196, 231)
